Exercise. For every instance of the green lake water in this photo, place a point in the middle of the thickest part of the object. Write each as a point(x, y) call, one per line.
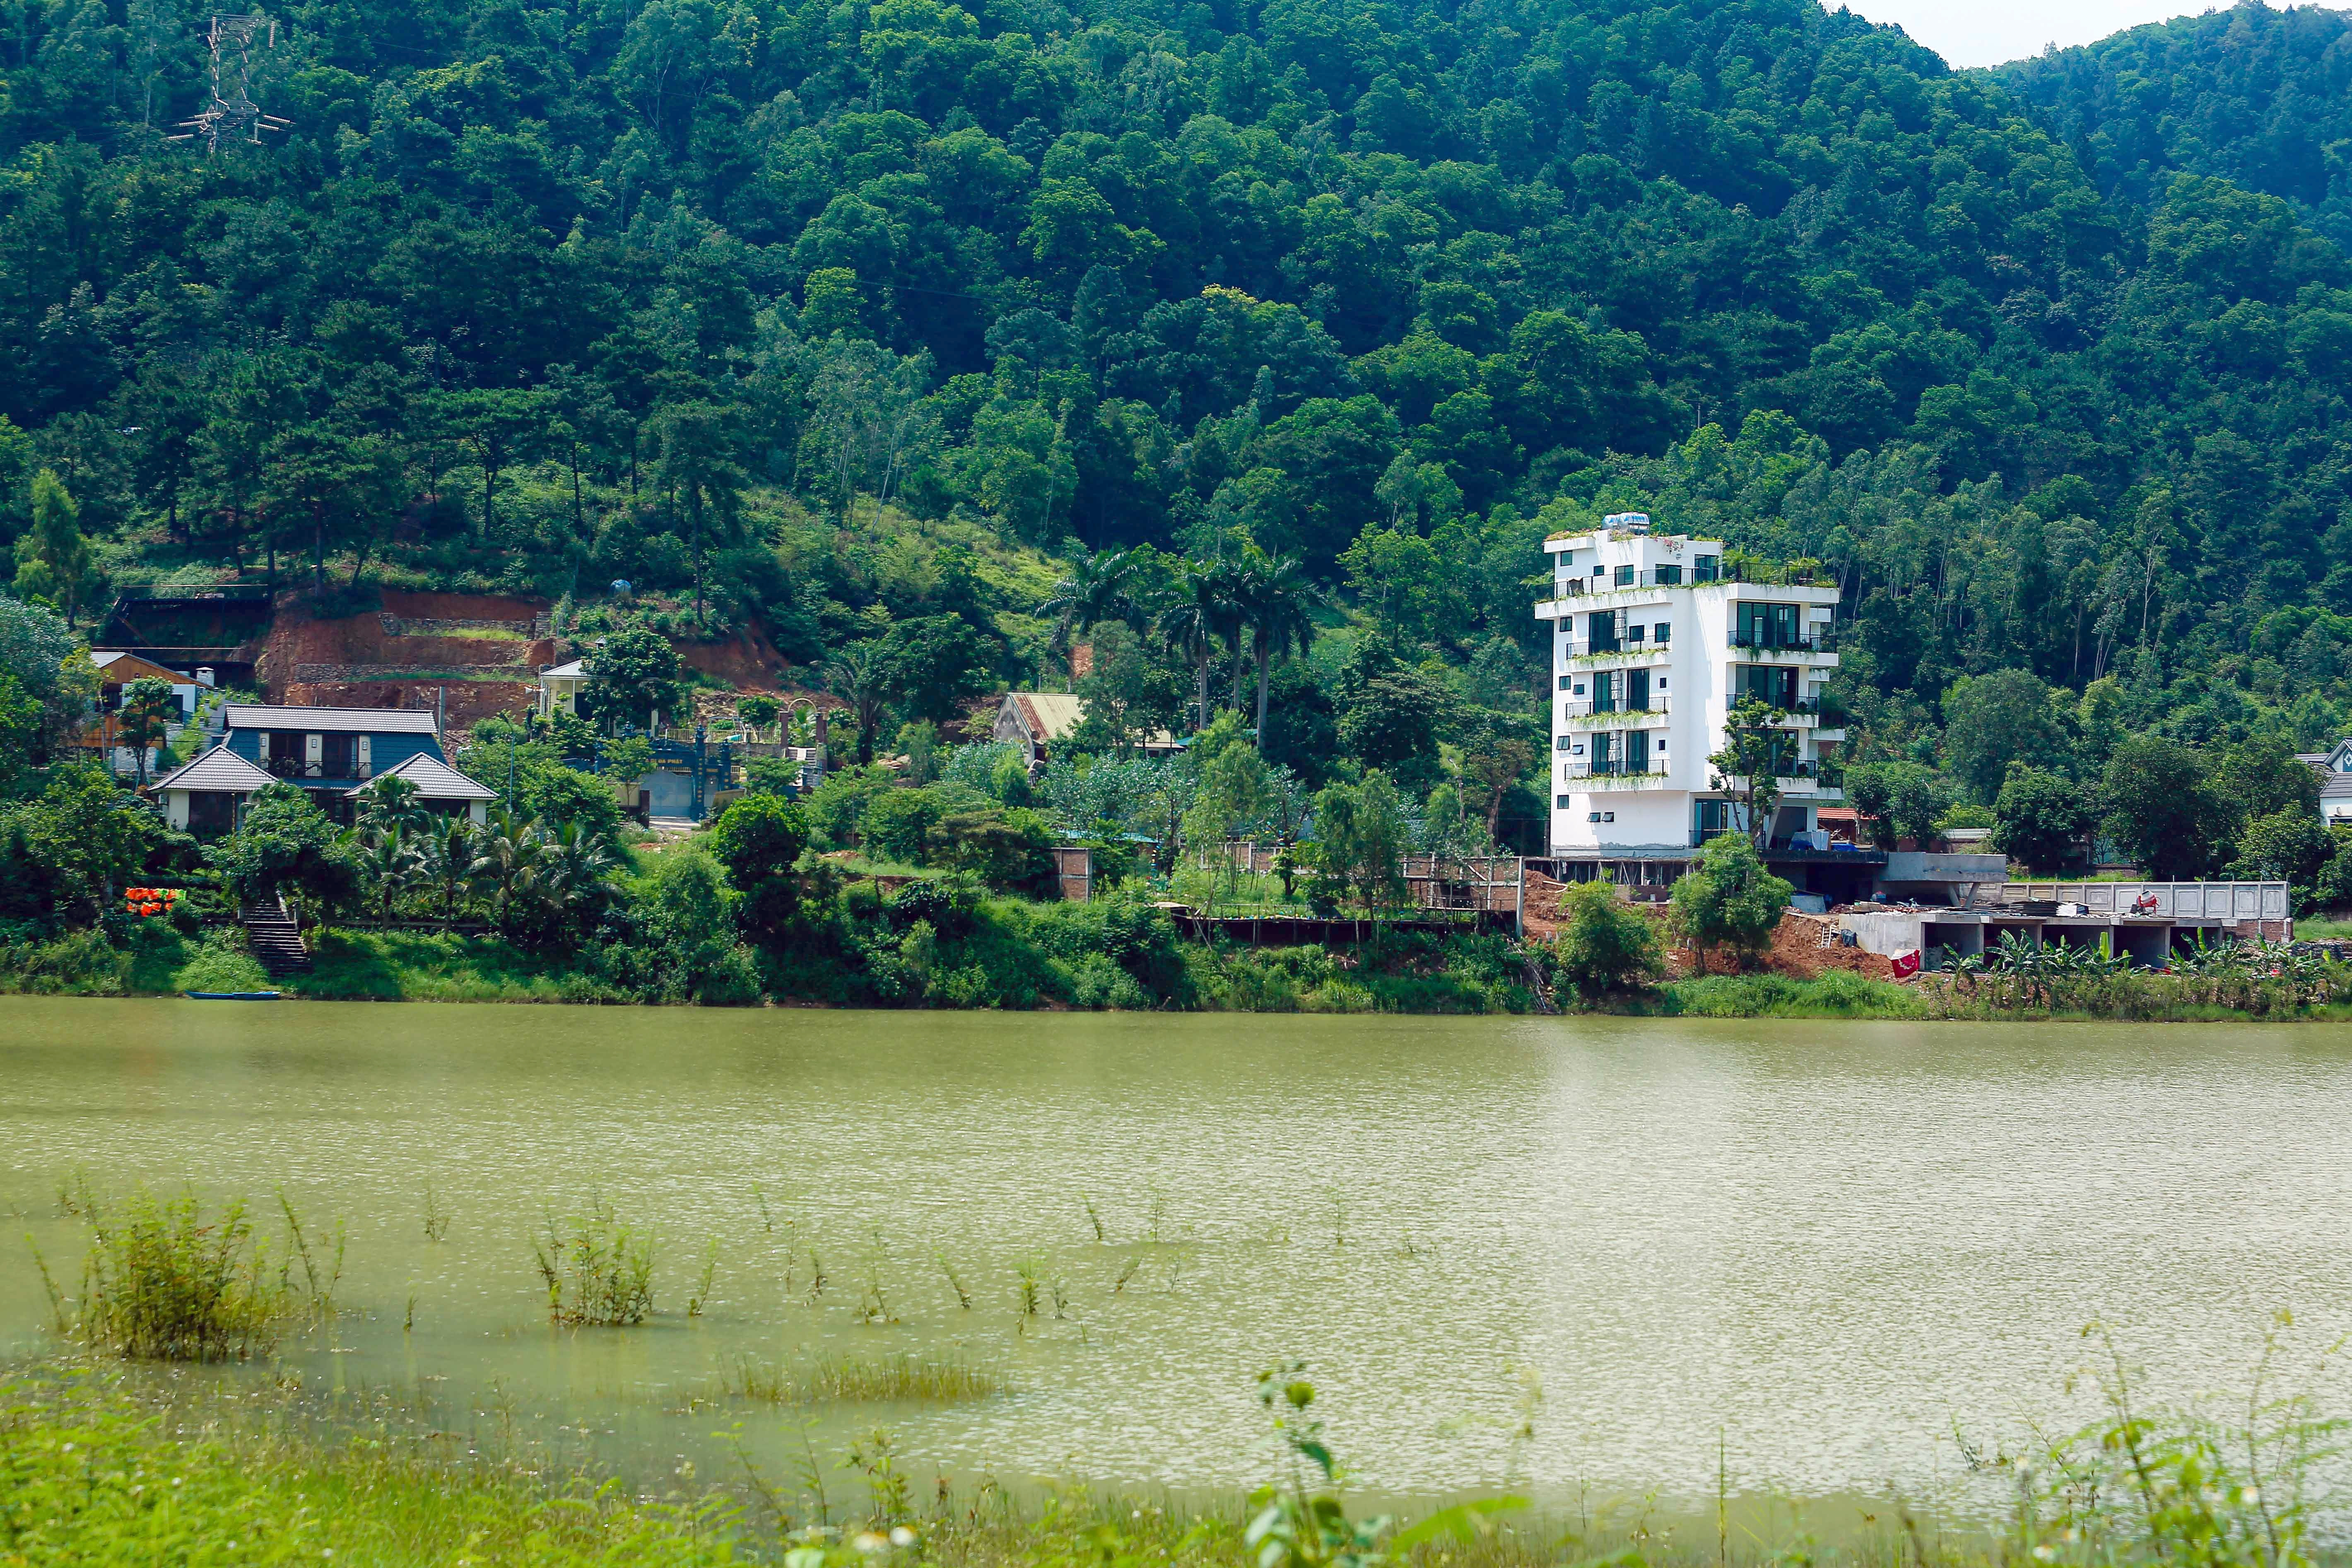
point(1586, 1257)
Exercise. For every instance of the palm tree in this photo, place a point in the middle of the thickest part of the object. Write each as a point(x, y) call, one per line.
point(450, 850)
point(507, 859)
point(577, 866)
point(858, 676)
point(391, 802)
point(1228, 587)
point(1277, 596)
point(391, 862)
point(1205, 608)
point(1095, 591)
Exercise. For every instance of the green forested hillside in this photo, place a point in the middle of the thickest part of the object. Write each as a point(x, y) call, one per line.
point(539, 296)
point(2247, 94)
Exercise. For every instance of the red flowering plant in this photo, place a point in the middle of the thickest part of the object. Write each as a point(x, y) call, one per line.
point(148, 902)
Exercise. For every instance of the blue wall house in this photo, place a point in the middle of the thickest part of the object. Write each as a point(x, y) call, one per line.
point(331, 753)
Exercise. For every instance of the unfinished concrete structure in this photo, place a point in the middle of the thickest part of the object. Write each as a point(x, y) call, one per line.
point(2147, 922)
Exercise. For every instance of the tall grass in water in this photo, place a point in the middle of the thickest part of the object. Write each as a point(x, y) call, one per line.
point(161, 1281)
point(848, 1381)
point(600, 1274)
point(2178, 1486)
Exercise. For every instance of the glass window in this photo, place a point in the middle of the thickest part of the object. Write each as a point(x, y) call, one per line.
point(1637, 751)
point(1632, 634)
point(1624, 577)
point(1662, 631)
point(1670, 576)
point(1704, 567)
point(1770, 625)
point(1601, 632)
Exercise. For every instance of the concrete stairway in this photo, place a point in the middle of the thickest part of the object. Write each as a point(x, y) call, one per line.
point(275, 941)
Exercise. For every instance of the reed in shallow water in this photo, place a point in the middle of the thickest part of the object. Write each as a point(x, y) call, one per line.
point(598, 1271)
point(164, 1279)
point(852, 1380)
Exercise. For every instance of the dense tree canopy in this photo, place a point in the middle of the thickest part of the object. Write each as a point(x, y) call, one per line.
point(2045, 367)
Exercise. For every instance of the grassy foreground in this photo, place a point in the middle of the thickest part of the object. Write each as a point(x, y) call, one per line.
point(88, 1476)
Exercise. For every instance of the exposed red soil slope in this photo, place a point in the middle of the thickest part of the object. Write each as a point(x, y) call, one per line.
point(745, 659)
point(311, 660)
point(465, 702)
point(1796, 950)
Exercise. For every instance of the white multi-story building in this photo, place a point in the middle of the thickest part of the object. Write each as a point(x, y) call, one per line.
point(1652, 646)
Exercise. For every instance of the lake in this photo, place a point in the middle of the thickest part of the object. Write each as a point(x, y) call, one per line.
point(1588, 1258)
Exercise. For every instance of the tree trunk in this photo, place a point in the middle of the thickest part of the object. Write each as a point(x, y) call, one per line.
point(1205, 691)
point(698, 565)
point(1264, 673)
point(367, 543)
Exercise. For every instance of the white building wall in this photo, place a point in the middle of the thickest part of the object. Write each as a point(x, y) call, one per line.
point(1691, 677)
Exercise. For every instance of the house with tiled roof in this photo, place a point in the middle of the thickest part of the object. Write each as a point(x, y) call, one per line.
point(2335, 769)
point(335, 754)
point(1037, 721)
point(207, 797)
point(440, 788)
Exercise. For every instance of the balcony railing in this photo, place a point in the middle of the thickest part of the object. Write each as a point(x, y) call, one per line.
point(1585, 650)
point(1583, 710)
point(299, 768)
point(1656, 577)
point(1613, 769)
point(1779, 642)
point(1826, 773)
point(1809, 708)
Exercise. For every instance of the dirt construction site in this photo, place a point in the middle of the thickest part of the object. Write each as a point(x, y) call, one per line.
point(1804, 946)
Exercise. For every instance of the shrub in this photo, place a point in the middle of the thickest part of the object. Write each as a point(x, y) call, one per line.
point(947, 906)
point(897, 823)
point(600, 1274)
point(222, 963)
point(758, 839)
point(1604, 945)
point(81, 963)
point(1010, 850)
point(285, 842)
point(1729, 899)
point(163, 1282)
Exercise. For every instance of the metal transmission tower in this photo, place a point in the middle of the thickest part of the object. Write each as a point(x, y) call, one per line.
point(232, 110)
